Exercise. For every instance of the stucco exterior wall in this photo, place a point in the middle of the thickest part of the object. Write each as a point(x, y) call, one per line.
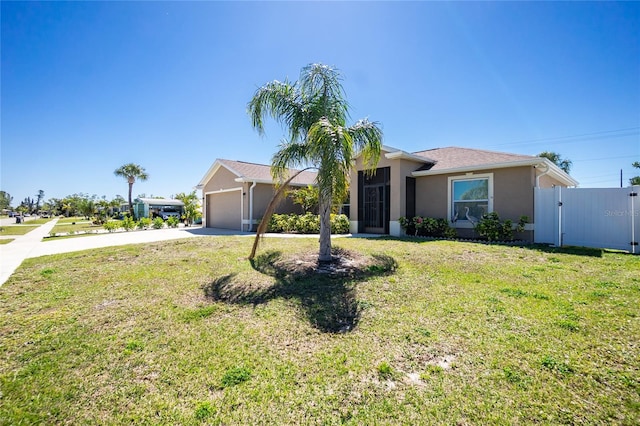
point(548, 182)
point(221, 179)
point(512, 192)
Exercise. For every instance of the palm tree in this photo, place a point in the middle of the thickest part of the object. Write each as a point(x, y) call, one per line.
point(191, 205)
point(315, 112)
point(40, 196)
point(131, 172)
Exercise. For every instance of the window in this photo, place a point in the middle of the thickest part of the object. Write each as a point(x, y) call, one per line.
point(470, 197)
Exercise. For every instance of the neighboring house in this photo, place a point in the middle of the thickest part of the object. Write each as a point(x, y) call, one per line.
point(452, 183)
point(155, 207)
point(235, 194)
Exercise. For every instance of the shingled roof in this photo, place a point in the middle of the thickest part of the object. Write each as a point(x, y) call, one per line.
point(454, 157)
point(253, 172)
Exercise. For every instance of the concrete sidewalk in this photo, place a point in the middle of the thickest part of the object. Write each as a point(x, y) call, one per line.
point(12, 254)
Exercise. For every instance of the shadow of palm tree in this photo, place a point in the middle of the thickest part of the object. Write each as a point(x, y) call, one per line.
point(326, 294)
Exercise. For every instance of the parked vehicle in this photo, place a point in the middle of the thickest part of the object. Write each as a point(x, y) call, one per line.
point(167, 215)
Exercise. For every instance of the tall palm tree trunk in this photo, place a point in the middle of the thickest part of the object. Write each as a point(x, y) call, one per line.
point(130, 201)
point(325, 228)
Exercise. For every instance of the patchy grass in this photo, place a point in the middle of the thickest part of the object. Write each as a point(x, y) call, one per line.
point(68, 220)
point(6, 240)
point(38, 221)
point(189, 332)
point(82, 226)
point(16, 229)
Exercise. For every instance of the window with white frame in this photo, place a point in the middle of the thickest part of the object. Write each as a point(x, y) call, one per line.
point(470, 197)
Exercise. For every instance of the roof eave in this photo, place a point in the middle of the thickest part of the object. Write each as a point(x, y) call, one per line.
point(554, 170)
point(403, 155)
point(244, 179)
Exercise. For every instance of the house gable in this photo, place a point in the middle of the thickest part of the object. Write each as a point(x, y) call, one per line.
point(236, 193)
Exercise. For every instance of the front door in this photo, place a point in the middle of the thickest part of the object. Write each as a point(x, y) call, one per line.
point(373, 201)
point(374, 216)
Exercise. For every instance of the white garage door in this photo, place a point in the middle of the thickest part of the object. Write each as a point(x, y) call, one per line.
point(224, 210)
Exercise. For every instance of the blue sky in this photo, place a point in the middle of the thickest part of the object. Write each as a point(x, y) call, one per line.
point(89, 86)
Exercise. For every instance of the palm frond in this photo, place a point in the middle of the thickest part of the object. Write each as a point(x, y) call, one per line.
point(290, 155)
point(322, 84)
point(278, 100)
point(367, 138)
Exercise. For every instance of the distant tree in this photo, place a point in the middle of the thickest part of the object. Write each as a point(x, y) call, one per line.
point(55, 206)
point(636, 179)
point(191, 205)
point(5, 200)
point(87, 208)
point(131, 172)
point(565, 164)
point(116, 203)
point(40, 197)
point(26, 206)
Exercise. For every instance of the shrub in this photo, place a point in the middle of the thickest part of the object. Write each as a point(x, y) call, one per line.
point(491, 227)
point(407, 226)
point(158, 223)
point(307, 223)
point(111, 225)
point(427, 227)
point(128, 223)
point(144, 223)
point(173, 221)
point(339, 224)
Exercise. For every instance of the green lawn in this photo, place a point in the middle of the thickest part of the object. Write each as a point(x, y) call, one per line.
point(39, 221)
point(68, 220)
point(188, 332)
point(16, 229)
point(75, 224)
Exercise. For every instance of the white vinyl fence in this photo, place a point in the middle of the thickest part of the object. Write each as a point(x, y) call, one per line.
point(588, 217)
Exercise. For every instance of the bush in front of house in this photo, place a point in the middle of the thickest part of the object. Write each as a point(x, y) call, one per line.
point(307, 223)
point(173, 222)
point(158, 223)
point(144, 223)
point(427, 227)
point(494, 229)
point(128, 223)
point(111, 225)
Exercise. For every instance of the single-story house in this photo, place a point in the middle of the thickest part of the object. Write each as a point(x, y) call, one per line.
point(155, 207)
point(235, 194)
point(460, 184)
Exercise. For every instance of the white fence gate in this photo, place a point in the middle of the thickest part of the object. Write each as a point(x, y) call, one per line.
point(588, 217)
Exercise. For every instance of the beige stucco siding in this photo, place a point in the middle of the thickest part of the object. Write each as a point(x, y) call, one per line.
point(222, 179)
point(431, 196)
point(546, 181)
point(512, 192)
